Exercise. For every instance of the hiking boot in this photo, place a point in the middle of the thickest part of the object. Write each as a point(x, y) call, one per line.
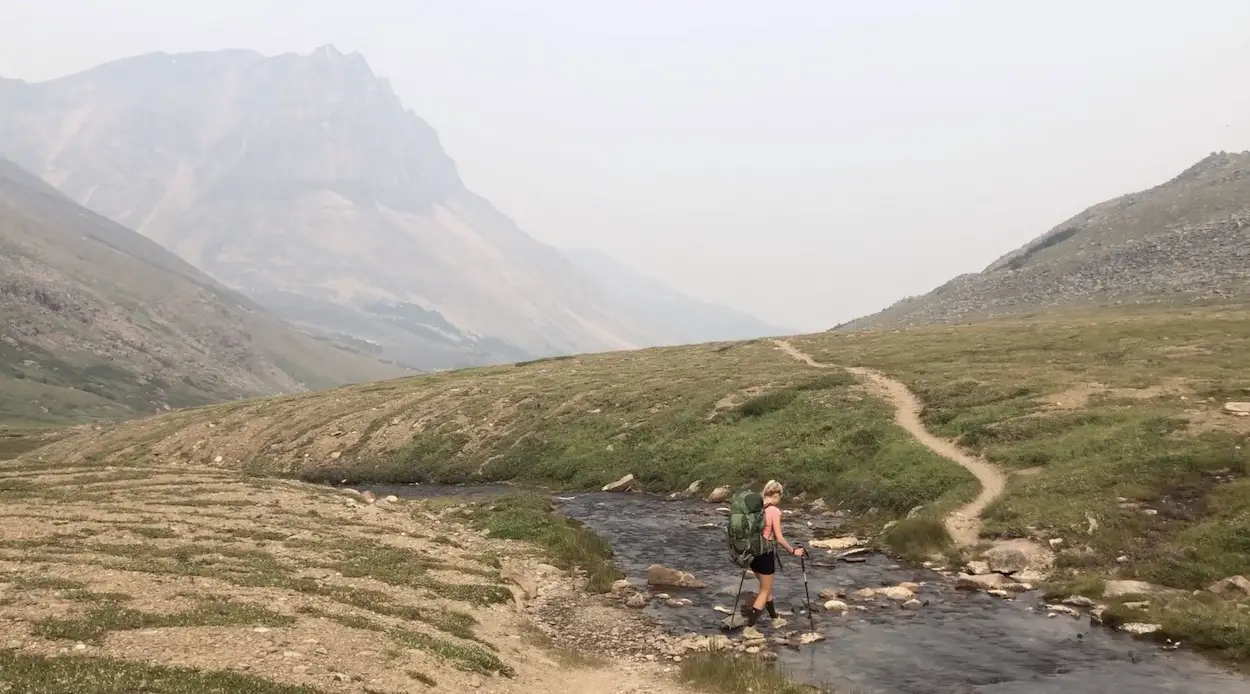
point(752, 615)
point(772, 609)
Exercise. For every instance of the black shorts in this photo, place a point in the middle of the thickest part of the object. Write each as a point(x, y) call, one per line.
point(765, 564)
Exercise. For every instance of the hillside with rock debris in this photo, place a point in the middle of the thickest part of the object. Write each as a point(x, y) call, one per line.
point(1188, 238)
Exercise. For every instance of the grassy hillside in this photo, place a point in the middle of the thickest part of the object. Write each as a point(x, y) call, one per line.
point(1110, 424)
point(726, 414)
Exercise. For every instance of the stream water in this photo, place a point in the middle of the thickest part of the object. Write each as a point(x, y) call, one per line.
point(959, 642)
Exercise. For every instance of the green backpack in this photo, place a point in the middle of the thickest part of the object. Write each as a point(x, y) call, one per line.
point(746, 528)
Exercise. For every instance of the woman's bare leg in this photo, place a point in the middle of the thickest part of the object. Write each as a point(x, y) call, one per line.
point(766, 591)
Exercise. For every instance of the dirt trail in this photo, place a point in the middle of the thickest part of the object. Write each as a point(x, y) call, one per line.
point(964, 523)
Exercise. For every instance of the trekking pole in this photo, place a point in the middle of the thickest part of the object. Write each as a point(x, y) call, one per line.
point(803, 563)
point(739, 595)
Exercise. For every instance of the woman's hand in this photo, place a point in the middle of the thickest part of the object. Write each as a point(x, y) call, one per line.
point(799, 551)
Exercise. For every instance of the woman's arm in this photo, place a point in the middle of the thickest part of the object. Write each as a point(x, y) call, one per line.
point(781, 539)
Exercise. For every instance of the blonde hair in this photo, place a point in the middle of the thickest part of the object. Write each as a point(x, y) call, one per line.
point(772, 488)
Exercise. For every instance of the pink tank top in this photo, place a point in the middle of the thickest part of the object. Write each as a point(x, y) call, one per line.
point(772, 514)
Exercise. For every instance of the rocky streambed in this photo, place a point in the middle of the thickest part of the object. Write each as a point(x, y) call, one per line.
point(888, 628)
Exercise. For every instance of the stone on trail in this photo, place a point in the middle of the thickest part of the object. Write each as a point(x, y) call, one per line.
point(624, 484)
point(663, 576)
point(733, 621)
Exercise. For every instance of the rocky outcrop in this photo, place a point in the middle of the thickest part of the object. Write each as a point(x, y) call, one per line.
point(1232, 587)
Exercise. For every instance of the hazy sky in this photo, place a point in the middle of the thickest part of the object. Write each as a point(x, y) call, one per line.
point(807, 160)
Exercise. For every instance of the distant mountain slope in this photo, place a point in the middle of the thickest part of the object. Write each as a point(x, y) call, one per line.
point(1188, 236)
point(678, 318)
point(98, 321)
point(305, 182)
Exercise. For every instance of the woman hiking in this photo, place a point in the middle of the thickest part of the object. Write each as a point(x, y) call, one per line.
point(765, 565)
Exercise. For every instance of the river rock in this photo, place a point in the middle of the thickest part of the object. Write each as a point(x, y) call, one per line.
point(810, 637)
point(836, 543)
point(913, 604)
point(864, 594)
point(818, 506)
point(719, 495)
point(978, 568)
point(624, 484)
point(637, 601)
point(831, 594)
point(896, 593)
point(984, 582)
point(1139, 628)
point(836, 606)
point(1079, 601)
point(690, 492)
point(665, 577)
point(1232, 587)
point(1019, 555)
point(1237, 409)
point(368, 497)
point(622, 587)
point(1063, 609)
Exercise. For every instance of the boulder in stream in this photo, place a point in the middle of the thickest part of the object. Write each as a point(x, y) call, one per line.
point(665, 577)
point(1237, 409)
point(1018, 556)
point(624, 484)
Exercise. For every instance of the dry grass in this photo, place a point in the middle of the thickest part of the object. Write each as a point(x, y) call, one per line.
point(144, 587)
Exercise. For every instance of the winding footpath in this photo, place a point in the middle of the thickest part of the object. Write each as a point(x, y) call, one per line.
point(964, 523)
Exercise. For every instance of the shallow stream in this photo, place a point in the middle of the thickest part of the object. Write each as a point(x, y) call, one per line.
point(959, 642)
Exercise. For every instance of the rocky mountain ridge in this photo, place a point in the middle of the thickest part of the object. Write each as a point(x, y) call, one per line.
point(304, 181)
point(98, 321)
point(1187, 237)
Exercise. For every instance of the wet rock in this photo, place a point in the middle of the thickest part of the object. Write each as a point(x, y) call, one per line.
point(1237, 409)
point(978, 568)
point(853, 556)
point(909, 585)
point(719, 495)
point(896, 593)
point(663, 576)
point(864, 594)
point(1139, 628)
point(1079, 601)
point(810, 638)
point(1064, 610)
point(831, 594)
point(637, 601)
point(984, 582)
point(624, 484)
point(678, 602)
point(836, 543)
point(690, 492)
point(1232, 587)
point(836, 606)
point(1016, 556)
point(1117, 589)
point(913, 605)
